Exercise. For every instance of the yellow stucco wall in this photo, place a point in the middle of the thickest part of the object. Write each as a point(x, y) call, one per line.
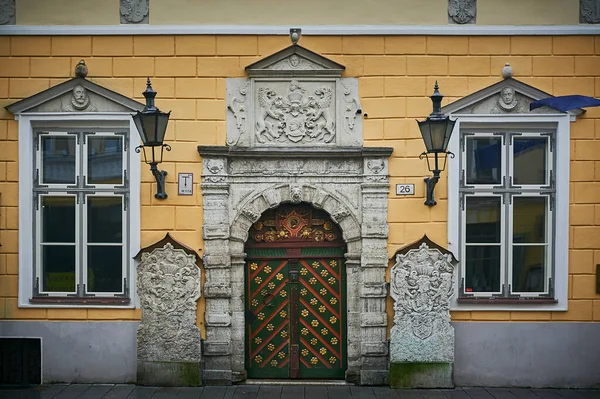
point(290, 12)
point(396, 74)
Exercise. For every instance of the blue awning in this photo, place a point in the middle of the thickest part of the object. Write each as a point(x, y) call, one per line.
point(566, 103)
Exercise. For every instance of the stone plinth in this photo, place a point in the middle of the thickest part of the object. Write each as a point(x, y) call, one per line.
point(422, 339)
point(168, 340)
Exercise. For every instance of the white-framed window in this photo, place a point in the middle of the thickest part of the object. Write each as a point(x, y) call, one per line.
point(508, 211)
point(79, 210)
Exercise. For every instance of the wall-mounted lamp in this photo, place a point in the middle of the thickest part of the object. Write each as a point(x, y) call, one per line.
point(436, 131)
point(151, 124)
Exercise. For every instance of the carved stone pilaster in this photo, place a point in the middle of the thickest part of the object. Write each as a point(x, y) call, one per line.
point(168, 340)
point(7, 12)
point(134, 11)
point(422, 339)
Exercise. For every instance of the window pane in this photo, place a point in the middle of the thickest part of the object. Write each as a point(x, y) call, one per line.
point(529, 268)
point(58, 268)
point(482, 269)
point(105, 219)
point(58, 219)
point(529, 219)
point(58, 160)
point(484, 160)
point(105, 269)
point(105, 160)
point(483, 219)
point(529, 160)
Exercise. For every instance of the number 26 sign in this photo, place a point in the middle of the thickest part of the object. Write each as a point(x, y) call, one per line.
point(405, 189)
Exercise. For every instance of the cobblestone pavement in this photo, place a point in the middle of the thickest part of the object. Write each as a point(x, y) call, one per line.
point(119, 391)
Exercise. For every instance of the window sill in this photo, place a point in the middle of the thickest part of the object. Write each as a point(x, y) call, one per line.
point(101, 301)
point(506, 301)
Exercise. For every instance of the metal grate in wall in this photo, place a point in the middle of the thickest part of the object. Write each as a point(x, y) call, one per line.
point(20, 361)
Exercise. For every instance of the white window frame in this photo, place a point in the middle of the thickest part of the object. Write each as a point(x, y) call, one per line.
point(560, 277)
point(27, 124)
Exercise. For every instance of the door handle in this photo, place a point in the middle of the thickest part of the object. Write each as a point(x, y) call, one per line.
point(267, 297)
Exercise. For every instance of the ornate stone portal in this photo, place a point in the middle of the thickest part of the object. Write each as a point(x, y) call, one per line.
point(294, 134)
point(422, 339)
point(168, 340)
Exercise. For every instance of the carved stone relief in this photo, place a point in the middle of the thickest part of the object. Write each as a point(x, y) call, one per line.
point(134, 11)
point(589, 11)
point(168, 284)
point(462, 11)
point(421, 284)
point(295, 62)
point(281, 112)
point(7, 12)
point(506, 101)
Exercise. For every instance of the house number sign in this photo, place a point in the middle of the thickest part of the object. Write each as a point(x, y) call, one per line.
point(186, 183)
point(405, 189)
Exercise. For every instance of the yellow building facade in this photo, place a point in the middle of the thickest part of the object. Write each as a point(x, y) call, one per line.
point(395, 70)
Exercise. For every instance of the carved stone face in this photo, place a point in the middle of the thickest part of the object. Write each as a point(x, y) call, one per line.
point(79, 94)
point(294, 61)
point(508, 95)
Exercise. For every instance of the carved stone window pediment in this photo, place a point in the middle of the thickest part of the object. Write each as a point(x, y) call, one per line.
point(509, 97)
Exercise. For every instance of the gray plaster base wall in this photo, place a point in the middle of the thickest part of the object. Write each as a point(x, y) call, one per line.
point(527, 354)
point(82, 352)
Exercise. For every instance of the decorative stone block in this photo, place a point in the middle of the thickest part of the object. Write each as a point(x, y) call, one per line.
point(421, 286)
point(134, 11)
point(462, 11)
point(168, 340)
point(7, 12)
point(589, 11)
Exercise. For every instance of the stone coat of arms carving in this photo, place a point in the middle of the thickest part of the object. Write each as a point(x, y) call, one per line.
point(462, 11)
point(589, 11)
point(421, 284)
point(168, 284)
point(134, 11)
point(297, 115)
point(7, 12)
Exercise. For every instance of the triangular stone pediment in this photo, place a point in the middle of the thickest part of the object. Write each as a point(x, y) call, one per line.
point(75, 95)
point(295, 60)
point(508, 97)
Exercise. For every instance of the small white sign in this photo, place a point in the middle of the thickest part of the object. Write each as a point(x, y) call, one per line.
point(186, 184)
point(405, 189)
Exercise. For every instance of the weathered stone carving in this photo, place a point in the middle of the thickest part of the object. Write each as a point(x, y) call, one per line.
point(7, 12)
point(462, 11)
point(421, 284)
point(295, 62)
point(376, 165)
point(508, 102)
point(296, 115)
point(168, 284)
point(589, 11)
point(214, 166)
point(295, 193)
point(351, 109)
point(134, 11)
point(80, 101)
point(238, 105)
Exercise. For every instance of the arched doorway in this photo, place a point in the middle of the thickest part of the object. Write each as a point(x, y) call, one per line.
point(295, 289)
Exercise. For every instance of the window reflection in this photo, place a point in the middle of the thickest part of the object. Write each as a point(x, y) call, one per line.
point(58, 160)
point(484, 160)
point(529, 160)
point(105, 160)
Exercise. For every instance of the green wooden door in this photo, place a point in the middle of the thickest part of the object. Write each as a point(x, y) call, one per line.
point(295, 310)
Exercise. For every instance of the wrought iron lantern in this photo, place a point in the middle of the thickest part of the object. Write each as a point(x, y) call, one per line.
point(436, 131)
point(151, 124)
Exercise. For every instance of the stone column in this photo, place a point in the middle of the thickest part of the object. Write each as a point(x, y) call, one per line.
point(217, 264)
point(422, 339)
point(374, 260)
point(168, 340)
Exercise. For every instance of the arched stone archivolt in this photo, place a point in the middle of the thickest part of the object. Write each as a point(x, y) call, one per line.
point(342, 213)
